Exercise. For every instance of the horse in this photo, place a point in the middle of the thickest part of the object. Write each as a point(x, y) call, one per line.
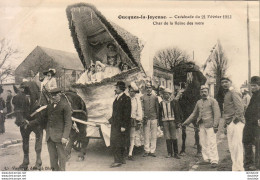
point(38, 121)
point(188, 76)
point(25, 102)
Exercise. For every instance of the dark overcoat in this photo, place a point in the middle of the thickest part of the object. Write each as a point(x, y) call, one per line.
point(58, 121)
point(120, 118)
point(252, 114)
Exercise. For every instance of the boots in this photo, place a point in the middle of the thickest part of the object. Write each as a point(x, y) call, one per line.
point(175, 148)
point(169, 148)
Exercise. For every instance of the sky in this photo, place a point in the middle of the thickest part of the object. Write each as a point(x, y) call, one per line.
point(29, 23)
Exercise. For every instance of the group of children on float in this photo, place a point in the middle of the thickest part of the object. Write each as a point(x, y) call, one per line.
point(99, 71)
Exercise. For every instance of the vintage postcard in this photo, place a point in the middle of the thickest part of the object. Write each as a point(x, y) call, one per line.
point(129, 86)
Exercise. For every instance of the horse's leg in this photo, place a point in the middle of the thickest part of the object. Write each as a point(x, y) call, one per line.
point(25, 136)
point(38, 146)
point(72, 139)
point(197, 138)
point(84, 140)
point(183, 140)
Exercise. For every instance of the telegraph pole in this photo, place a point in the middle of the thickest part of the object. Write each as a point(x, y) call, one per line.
point(249, 55)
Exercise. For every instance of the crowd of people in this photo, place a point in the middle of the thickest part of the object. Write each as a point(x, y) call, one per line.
point(136, 118)
point(242, 123)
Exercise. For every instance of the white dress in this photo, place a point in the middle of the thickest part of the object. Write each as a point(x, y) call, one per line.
point(111, 71)
point(49, 84)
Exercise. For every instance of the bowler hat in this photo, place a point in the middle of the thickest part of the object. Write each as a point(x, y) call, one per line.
point(55, 91)
point(120, 83)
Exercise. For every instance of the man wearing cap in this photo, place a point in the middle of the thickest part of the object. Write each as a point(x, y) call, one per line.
point(150, 105)
point(251, 134)
point(170, 118)
point(120, 124)
point(58, 129)
point(233, 114)
point(207, 114)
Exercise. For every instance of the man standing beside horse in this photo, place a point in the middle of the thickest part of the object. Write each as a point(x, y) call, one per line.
point(58, 129)
point(207, 114)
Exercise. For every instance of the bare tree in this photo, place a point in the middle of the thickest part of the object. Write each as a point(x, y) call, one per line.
point(7, 54)
point(220, 64)
point(170, 57)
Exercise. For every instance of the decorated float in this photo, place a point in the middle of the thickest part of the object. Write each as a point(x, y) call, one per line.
point(97, 41)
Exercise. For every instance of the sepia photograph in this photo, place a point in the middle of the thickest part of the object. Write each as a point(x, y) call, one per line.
point(169, 86)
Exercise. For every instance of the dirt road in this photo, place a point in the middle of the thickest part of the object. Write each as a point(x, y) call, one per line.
point(99, 158)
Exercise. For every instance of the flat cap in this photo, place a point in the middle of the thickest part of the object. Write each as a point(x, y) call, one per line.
point(255, 80)
point(225, 78)
point(204, 87)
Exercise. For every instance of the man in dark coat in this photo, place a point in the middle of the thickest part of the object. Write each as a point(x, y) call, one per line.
point(8, 101)
point(2, 116)
point(251, 134)
point(58, 129)
point(120, 124)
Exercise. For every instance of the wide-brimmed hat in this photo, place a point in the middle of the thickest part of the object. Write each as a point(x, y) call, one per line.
point(52, 71)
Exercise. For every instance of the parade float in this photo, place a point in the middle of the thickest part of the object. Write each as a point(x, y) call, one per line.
point(92, 33)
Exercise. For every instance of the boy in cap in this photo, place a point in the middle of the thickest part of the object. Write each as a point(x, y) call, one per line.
point(150, 105)
point(233, 114)
point(251, 134)
point(170, 119)
point(207, 114)
point(120, 124)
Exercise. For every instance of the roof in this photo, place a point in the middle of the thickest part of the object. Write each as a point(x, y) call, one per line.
point(63, 58)
point(85, 22)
